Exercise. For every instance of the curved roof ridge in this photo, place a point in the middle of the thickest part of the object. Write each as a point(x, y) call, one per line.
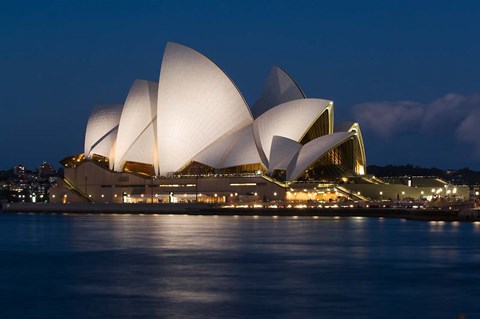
point(101, 124)
point(218, 67)
point(197, 104)
point(314, 150)
point(291, 78)
point(279, 88)
point(282, 152)
point(301, 113)
point(138, 114)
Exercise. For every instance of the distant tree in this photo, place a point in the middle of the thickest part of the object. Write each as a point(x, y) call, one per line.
point(461, 176)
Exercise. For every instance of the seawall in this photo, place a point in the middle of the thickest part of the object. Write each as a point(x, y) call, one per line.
point(211, 209)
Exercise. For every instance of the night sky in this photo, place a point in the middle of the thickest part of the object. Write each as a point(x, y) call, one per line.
point(408, 71)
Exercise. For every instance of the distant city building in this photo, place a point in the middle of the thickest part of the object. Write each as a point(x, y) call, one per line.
point(22, 185)
point(46, 170)
point(19, 170)
point(195, 124)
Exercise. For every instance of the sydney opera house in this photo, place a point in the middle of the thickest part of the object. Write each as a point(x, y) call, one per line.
point(192, 137)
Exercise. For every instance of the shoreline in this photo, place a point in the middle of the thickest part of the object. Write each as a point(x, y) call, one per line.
point(215, 210)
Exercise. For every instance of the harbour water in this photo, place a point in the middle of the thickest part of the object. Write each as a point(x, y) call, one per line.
point(131, 266)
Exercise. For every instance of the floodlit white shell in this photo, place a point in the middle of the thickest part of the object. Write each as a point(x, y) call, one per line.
point(196, 113)
point(279, 88)
point(314, 150)
point(101, 132)
point(291, 120)
point(136, 138)
point(244, 151)
point(197, 104)
point(282, 152)
point(231, 150)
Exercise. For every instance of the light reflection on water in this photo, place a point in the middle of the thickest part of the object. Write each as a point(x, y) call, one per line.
point(123, 266)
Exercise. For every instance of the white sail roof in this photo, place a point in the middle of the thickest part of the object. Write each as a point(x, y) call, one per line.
point(244, 151)
point(101, 131)
point(196, 113)
point(291, 120)
point(279, 88)
point(214, 154)
point(234, 149)
point(314, 150)
point(282, 152)
point(136, 139)
point(197, 104)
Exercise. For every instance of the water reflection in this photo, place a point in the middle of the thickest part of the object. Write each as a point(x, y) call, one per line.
point(127, 266)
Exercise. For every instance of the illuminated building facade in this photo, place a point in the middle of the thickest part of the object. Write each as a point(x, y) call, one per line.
point(194, 127)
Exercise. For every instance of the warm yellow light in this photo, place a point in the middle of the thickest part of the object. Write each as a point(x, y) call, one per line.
point(361, 170)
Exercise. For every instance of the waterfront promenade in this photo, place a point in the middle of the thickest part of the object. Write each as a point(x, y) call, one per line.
point(215, 209)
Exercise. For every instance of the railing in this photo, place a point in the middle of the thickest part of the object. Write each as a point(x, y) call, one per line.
point(350, 193)
point(77, 191)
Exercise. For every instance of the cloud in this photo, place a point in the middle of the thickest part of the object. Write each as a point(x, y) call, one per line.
point(453, 114)
point(387, 118)
point(468, 131)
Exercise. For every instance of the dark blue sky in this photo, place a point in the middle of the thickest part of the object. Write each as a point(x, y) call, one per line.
point(409, 71)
